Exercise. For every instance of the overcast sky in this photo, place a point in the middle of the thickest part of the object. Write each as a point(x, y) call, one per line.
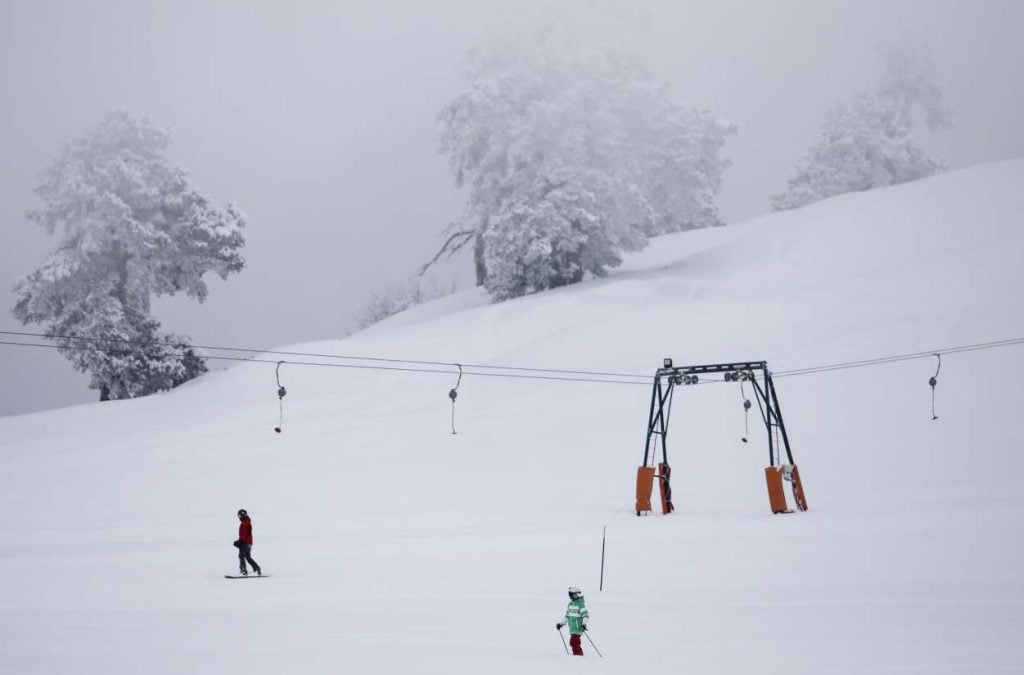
point(319, 120)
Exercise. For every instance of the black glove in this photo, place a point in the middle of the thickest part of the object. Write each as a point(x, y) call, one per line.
point(237, 543)
point(558, 626)
point(584, 628)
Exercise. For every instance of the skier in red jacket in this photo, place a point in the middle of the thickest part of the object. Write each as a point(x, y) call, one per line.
point(244, 544)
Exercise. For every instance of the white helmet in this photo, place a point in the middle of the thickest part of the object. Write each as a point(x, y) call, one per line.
point(575, 592)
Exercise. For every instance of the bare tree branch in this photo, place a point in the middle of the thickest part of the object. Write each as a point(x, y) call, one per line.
point(451, 246)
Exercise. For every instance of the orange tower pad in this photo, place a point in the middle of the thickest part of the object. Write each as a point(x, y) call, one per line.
point(776, 495)
point(644, 487)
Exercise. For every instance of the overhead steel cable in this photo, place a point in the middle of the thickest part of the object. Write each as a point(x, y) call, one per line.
point(342, 357)
point(517, 372)
point(898, 357)
point(551, 378)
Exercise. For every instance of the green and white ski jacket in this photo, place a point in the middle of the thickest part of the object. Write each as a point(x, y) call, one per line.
point(576, 615)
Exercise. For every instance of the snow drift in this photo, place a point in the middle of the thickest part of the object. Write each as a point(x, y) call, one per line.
point(397, 546)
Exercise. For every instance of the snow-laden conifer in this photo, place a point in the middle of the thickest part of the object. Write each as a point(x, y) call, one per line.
point(130, 225)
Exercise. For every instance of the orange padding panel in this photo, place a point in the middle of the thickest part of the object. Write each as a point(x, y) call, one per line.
point(665, 488)
point(776, 496)
point(644, 487)
point(798, 490)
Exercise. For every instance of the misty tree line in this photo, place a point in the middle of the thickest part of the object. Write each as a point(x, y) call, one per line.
point(571, 151)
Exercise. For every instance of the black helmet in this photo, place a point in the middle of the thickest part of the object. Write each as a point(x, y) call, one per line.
point(242, 512)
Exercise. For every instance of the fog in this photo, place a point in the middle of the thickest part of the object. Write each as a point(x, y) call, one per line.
point(319, 120)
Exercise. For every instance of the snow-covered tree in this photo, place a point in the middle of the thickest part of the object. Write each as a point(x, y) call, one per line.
point(572, 154)
point(130, 226)
point(867, 142)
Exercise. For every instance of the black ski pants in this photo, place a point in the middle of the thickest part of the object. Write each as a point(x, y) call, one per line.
point(245, 555)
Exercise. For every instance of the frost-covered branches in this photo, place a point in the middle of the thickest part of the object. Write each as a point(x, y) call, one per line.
point(130, 226)
point(572, 154)
point(866, 143)
point(398, 298)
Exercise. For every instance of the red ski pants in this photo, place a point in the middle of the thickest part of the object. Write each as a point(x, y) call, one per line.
point(577, 647)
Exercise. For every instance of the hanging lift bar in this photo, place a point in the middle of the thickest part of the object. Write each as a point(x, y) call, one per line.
point(757, 374)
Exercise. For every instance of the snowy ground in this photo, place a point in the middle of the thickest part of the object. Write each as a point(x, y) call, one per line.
point(397, 547)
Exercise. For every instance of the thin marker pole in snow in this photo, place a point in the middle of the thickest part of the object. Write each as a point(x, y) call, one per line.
point(604, 534)
point(563, 642)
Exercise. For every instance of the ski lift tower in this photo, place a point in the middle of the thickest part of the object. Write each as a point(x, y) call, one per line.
point(755, 373)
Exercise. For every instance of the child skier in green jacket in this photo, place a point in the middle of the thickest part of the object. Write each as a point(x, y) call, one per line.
point(576, 616)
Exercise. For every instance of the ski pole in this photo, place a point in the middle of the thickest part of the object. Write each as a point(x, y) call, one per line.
point(563, 642)
point(591, 643)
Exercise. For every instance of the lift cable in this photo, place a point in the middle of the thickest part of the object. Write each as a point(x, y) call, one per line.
point(517, 372)
point(343, 357)
point(899, 357)
point(521, 376)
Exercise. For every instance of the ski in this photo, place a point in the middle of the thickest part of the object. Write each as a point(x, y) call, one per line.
point(251, 576)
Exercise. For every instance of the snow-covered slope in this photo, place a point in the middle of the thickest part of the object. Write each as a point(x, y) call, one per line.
point(396, 546)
